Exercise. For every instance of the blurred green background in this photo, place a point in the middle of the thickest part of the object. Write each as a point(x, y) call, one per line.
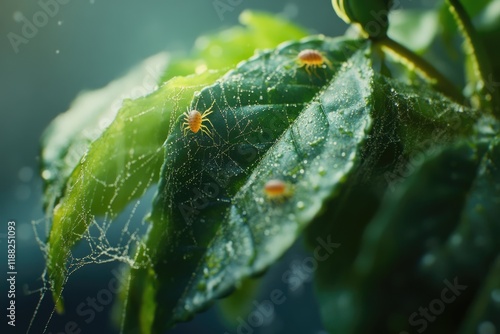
point(84, 46)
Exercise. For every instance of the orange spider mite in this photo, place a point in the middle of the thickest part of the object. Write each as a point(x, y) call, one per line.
point(310, 58)
point(193, 120)
point(276, 189)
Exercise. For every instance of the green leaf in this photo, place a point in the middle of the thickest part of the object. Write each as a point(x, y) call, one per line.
point(69, 136)
point(473, 8)
point(239, 303)
point(488, 18)
point(483, 313)
point(367, 296)
point(488, 26)
point(479, 52)
point(473, 245)
point(481, 96)
point(426, 117)
point(118, 166)
point(94, 169)
point(414, 119)
point(211, 220)
point(359, 198)
point(229, 47)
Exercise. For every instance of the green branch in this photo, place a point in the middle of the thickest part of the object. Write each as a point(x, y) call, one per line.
point(414, 61)
point(487, 96)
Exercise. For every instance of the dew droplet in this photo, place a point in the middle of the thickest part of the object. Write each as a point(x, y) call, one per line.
point(202, 68)
point(229, 247)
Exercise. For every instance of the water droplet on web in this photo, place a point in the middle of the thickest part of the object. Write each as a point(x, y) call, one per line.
point(300, 205)
point(57, 52)
point(46, 174)
point(202, 68)
point(229, 247)
point(343, 154)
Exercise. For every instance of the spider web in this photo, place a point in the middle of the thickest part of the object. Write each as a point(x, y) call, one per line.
point(236, 103)
point(110, 238)
point(115, 239)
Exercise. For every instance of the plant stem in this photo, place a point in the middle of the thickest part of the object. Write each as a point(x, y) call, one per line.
point(487, 96)
point(412, 60)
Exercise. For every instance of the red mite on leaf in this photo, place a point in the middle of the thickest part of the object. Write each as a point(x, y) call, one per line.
point(276, 189)
point(310, 58)
point(193, 120)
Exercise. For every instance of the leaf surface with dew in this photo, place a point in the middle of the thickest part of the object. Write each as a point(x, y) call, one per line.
point(211, 219)
point(94, 169)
